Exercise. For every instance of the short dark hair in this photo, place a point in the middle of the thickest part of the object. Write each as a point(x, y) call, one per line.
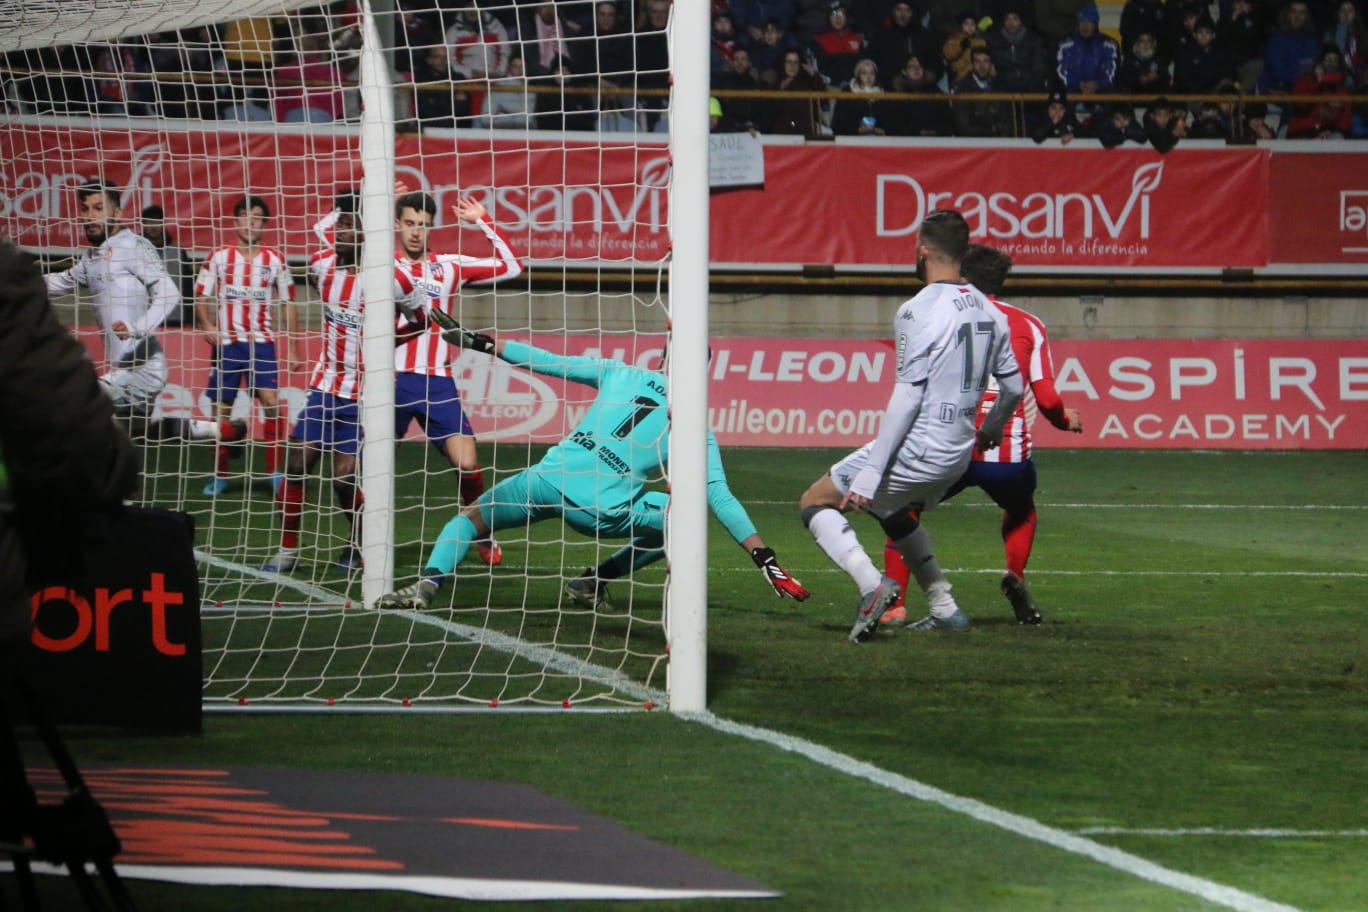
point(945, 231)
point(348, 202)
point(418, 201)
point(153, 213)
point(93, 187)
point(248, 203)
point(986, 267)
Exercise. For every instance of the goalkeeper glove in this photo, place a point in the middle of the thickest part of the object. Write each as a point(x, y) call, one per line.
point(453, 333)
point(777, 576)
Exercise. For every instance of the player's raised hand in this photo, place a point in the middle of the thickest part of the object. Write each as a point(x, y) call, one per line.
point(469, 209)
point(784, 585)
point(454, 333)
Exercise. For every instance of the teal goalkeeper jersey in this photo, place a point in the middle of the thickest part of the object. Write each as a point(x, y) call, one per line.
point(621, 442)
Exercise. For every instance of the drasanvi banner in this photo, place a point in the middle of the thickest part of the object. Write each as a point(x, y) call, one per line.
point(1151, 394)
point(606, 204)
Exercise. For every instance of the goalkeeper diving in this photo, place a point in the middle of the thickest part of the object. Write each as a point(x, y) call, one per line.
point(595, 479)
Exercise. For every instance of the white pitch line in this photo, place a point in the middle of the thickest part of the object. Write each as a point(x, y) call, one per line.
point(1023, 826)
point(1262, 833)
point(843, 763)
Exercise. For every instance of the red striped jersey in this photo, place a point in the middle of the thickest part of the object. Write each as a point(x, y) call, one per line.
point(341, 290)
point(1032, 349)
point(247, 289)
point(440, 277)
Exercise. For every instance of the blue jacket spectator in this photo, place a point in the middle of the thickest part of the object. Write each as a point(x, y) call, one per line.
point(1087, 59)
point(1292, 50)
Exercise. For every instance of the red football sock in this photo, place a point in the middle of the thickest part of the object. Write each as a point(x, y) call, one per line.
point(472, 485)
point(290, 499)
point(895, 568)
point(222, 462)
point(1017, 537)
point(273, 432)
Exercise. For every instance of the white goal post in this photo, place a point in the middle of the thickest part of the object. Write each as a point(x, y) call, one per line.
point(597, 185)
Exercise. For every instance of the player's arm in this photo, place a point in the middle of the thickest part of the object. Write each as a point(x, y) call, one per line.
point(576, 368)
point(1047, 397)
point(1011, 387)
point(285, 294)
point(904, 404)
point(503, 265)
point(739, 526)
point(162, 294)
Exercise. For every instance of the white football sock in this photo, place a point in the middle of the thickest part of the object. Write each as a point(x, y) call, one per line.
point(834, 536)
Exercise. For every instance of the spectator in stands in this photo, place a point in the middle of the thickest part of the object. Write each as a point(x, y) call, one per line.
point(543, 37)
point(607, 48)
point(899, 37)
point(1055, 21)
point(1328, 119)
point(1252, 124)
point(1203, 66)
point(1059, 122)
point(1143, 70)
point(652, 61)
point(1184, 25)
point(724, 42)
point(1117, 126)
point(980, 118)
point(863, 113)
point(768, 56)
point(437, 101)
point(797, 115)
point(417, 29)
point(1348, 34)
point(508, 106)
point(743, 113)
point(249, 51)
point(1018, 55)
point(180, 266)
point(838, 47)
point(1242, 34)
point(478, 44)
point(1165, 124)
point(920, 118)
point(1087, 59)
point(1292, 49)
point(562, 110)
point(1145, 16)
point(1210, 123)
point(750, 17)
point(957, 49)
point(308, 85)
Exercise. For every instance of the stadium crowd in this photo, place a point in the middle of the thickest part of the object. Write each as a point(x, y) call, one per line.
point(603, 65)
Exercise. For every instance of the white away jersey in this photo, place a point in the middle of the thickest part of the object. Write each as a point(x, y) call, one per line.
point(129, 284)
point(341, 289)
point(247, 288)
point(952, 339)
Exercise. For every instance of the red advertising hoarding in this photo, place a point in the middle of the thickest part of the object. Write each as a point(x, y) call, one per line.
point(1074, 209)
point(1152, 394)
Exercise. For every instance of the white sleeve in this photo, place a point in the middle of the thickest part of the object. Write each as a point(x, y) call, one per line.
point(164, 296)
point(66, 281)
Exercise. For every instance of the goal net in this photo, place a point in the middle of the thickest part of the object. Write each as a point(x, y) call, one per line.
point(261, 157)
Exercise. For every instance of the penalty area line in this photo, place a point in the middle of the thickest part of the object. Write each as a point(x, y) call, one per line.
point(1032, 829)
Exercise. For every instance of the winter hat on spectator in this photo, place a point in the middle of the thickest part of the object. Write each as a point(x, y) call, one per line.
point(1089, 12)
